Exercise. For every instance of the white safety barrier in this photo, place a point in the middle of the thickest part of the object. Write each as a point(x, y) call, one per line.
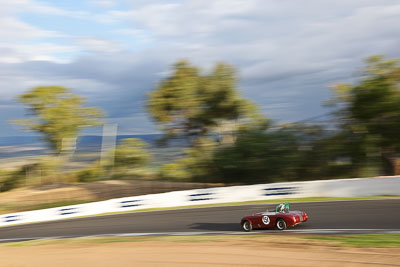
point(361, 187)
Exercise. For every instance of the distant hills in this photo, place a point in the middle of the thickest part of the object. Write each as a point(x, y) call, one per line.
point(19, 140)
point(86, 140)
point(18, 146)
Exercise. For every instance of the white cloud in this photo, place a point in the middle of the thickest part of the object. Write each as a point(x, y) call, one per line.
point(100, 45)
point(103, 3)
point(154, 17)
point(130, 32)
point(41, 51)
point(12, 30)
point(29, 6)
point(21, 41)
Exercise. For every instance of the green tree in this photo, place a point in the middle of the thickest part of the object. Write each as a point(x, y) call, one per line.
point(197, 164)
point(174, 171)
point(259, 156)
point(370, 111)
point(131, 154)
point(58, 114)
point(194, 105)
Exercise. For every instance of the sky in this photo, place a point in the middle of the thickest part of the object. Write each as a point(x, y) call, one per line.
point(287, 53)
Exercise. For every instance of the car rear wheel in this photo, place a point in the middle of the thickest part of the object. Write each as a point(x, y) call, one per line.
point(247, 226)
point(280, 224)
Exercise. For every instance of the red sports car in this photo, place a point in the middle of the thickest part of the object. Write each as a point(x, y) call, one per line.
point(280, 219)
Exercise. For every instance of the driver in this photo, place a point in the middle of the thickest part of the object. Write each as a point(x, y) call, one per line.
point(282, 208)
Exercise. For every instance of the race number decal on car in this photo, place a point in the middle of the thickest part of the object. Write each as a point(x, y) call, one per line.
point(265, 219)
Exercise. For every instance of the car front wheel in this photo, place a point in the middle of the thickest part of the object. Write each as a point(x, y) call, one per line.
point(280, 224)
point(247, 226)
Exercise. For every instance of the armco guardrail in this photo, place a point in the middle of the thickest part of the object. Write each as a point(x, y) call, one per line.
point(325, 188)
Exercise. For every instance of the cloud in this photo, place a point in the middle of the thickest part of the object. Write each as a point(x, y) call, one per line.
point(286, 52)
point(103, 3)
point(10, 8)
point(42, 51)
point(12, 29)
point(99, 45)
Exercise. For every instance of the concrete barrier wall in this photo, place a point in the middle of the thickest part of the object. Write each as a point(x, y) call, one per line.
point(362, 187)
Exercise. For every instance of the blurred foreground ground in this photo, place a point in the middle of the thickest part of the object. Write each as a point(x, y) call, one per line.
point(195, 251)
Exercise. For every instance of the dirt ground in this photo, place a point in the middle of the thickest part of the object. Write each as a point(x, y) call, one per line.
point(276, 251)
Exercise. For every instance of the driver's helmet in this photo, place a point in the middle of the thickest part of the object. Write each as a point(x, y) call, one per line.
point(283, 208)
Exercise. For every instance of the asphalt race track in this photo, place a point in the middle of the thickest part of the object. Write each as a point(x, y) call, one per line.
point(363, 216)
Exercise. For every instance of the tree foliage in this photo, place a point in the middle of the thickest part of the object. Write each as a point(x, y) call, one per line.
point(57, 113)
point(260, 156)
point(196, 165)
point(194, 105)
point(370, 110)
point(131, 154)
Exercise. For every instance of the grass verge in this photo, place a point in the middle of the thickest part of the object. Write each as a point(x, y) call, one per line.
point(360, 240)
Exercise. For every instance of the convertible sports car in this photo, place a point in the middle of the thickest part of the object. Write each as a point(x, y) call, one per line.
point(280, 219)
